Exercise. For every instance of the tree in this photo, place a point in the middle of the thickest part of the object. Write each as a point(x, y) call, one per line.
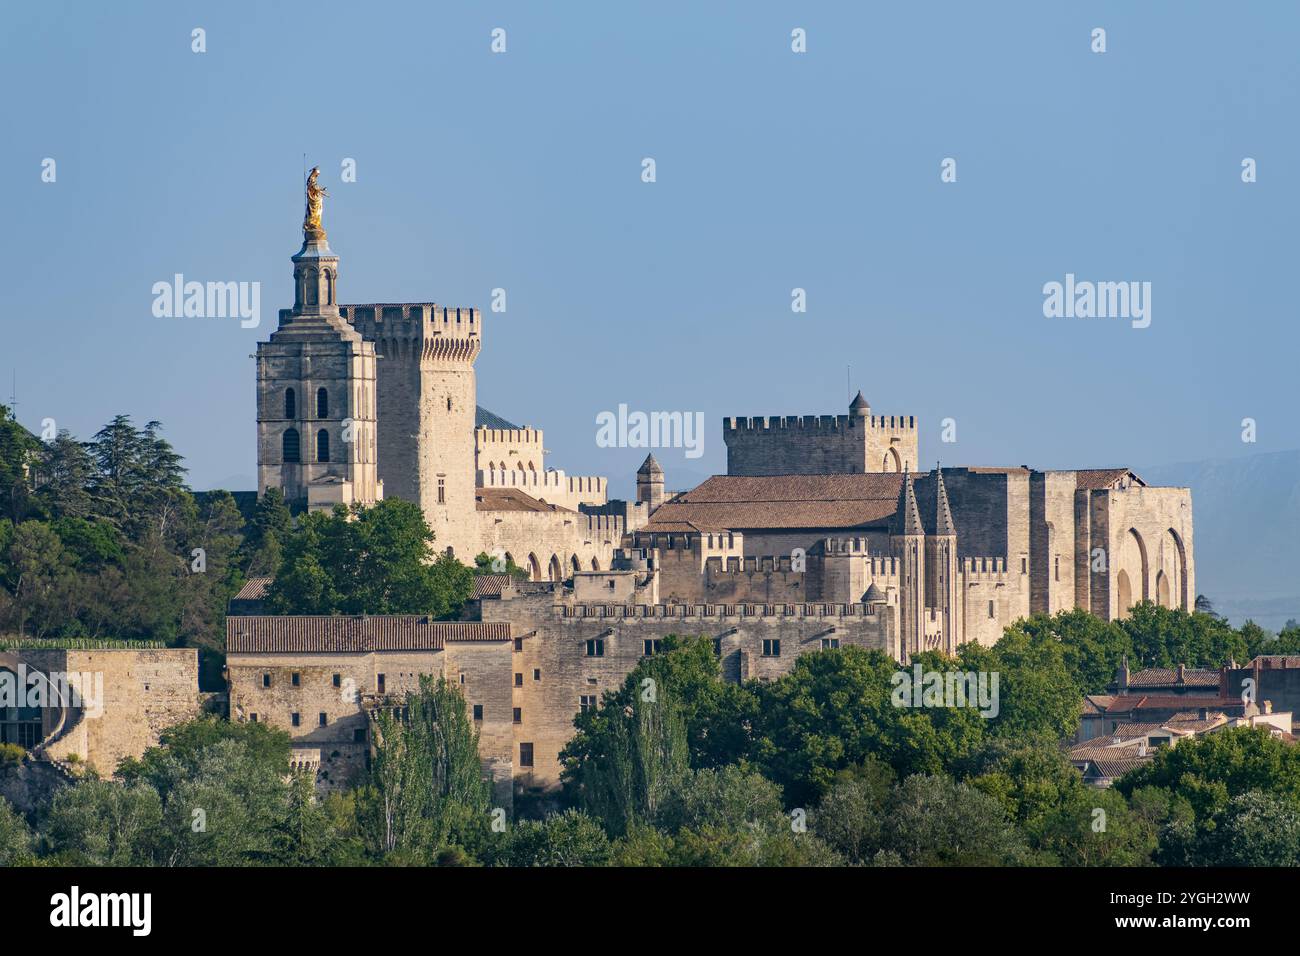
point(484, 563)
point(16, 838)
point(367, 560)
point(851, 816)
point(1256, 829)
point(18, 450)
point(103, 823)
point(1167, 637)
point(935, 821)
point(426, 782)
point(570, 838)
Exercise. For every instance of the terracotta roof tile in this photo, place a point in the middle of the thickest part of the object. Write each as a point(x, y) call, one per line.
point(488, 584)
point(254, 589)
point(783, 501)
point(511, 499)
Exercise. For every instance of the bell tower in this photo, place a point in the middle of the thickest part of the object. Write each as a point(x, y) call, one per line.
point(316, 427)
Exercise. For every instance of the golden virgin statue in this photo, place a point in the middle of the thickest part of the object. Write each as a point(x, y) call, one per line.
point(311, 227)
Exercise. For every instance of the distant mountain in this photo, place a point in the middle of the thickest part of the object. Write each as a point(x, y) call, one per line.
point(1247, 524)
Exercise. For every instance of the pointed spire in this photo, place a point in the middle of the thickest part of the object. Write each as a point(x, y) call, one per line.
point(859, 406)
point(942, 513)
point(907, 520)
point(650, 466)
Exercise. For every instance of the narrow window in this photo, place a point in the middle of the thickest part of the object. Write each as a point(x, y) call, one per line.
point(290, 404)
point(338, 680)
point(381, 683)
point(266, 680)
point(322, 403)
point(322, 445)
point(289, 446)
point(537, 674)
point(324, 720)
point(990, 610)
point(296, 719)
point(1057, 568)
point(442, 491)
point(478, 711)
point(296, 679)
point(518, 715)
point(519, 680)
point(519, 644)
point(525, 755)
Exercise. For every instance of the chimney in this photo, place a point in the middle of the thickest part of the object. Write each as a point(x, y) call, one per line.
point(1121, 676)
point(1182, 673)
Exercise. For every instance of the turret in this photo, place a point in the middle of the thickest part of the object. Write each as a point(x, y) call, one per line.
point(650, 483)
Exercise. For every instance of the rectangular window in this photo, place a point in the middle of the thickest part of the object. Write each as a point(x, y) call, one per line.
point(518, 715)
point(771, 647)
point(519, 644)
point(991, 615)
point(519, 680)
point(295, 719)
point(1024, 565)
point(537, 674)
point(653, 646)
point(252, 718)
point(266, 680)
point(338, 680)
point(297, 679)
point(525, 755)
point(830, 643)
point(381, 683)
point(478, 711)
point(324, 720)
point(586, 702)
point(442, 491)
point(462, 678)
point(596, 647)
point(1057, 568)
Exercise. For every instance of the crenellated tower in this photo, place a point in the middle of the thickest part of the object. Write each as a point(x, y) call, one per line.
point(907, 539)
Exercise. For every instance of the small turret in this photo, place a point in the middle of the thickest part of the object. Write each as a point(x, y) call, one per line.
point(859, 408)
point(942, 513)
point(650, 483)
point(907, 520)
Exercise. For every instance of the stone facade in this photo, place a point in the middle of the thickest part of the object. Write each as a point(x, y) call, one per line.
point(144, 691)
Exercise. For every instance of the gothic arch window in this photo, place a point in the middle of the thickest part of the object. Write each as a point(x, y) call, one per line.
point(290, 403)
point(289, 446)
point(322, 445)
point(313, 288)
point(329, 286)
point(595, 565)
point(322, 403)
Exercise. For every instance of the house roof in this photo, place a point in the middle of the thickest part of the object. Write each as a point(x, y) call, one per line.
point(486, 419)
point(254, 589)
point(1167, 676)
point(488, 585)
point(784, 501)
point(1100, 479)
point(511, 499)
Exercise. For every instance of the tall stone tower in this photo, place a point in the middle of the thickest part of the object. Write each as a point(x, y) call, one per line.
point(316, 427)
point(427, 398)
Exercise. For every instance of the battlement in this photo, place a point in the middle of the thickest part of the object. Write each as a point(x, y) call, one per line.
point(507, 436)
point(670, 541)
point(776, 423)
point(775, 563)
point(815, 610)
point(611, 527)
point(555, 487)
point(848, 547)
point(418, 330)
point(983, 566)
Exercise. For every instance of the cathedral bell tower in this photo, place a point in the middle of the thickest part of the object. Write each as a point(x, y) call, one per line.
point(316, 428)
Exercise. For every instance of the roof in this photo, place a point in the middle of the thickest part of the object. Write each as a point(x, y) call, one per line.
point(650, 466)
point(254, 589)
point(738, 502)
point(908, 515)
point(313, 634)
point(488, 584)
point(510, 499)
point(859, 402)
point(485, 419)
point(1166, 676)
point(1096, 703)
point(1178, 703)
point(1099, 479)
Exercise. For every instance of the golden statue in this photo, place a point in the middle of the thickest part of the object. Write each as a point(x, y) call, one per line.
point(311, 227)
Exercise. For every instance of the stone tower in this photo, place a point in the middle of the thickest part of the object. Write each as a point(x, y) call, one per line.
point(650, 483)
point(941, 567)
point(908, 542)
point(316, 430)
point(427, 398)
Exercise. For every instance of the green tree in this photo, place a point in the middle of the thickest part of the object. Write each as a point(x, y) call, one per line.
point(103, 823)
point(16, 838)
point(570, 838)
point(936, 821)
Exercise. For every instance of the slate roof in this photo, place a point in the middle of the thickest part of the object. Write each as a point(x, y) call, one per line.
point(486, 419)
point(511, 499)
point(784, 501)
point(309, 634)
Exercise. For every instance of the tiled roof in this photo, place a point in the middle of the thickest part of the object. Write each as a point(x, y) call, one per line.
point(254, 589)
point(784, 501)
point(511, 499)
point(488, 584)
point(1099, 479)
point(1107, 765)
point(1167, 676)
point(485, 419)
point(311, 634)
point(1096, 703)
point(1174, 702)
point(1280, 661)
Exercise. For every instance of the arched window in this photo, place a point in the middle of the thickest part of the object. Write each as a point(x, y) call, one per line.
point(322, 403)
point(290, 404)
point(289, 447)
point(322, 445)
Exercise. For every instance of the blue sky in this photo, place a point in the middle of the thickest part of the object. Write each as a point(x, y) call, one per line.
point(775, 171)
